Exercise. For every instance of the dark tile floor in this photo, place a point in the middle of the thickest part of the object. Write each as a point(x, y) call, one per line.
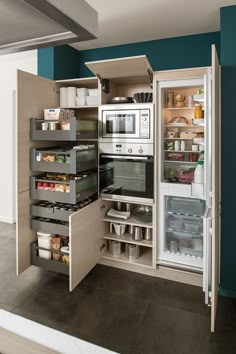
point(122, 311)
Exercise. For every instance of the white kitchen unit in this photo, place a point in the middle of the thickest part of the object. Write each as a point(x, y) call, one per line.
point(89, 229)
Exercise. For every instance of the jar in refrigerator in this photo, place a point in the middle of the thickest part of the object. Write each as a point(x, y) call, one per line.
point(198, 112)
point(177, 145)
point(182, 145)
point(189, 101)
point(170, 99)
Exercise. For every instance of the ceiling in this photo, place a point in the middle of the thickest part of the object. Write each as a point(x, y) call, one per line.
point(130, 21)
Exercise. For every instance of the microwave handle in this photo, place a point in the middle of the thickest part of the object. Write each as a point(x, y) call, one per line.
point(125, 157)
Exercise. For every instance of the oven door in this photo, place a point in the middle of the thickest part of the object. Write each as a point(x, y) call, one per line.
point(121, 124)
point(127, 178)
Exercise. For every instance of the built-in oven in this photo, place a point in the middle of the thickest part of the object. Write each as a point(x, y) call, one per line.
point(126, 123)
point(127, 177)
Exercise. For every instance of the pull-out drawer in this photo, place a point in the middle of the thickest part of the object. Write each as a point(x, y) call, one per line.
point(51, 212)
point(75, 189)
point(77, 130)
point(50, 226)
point(185, 206)
point(47, 264)
point(62, 160)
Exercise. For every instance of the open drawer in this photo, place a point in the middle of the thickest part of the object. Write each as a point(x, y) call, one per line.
point(63, 160)
point(72, 191)
point(47, 264)
point(55, 227)
point(77, 129)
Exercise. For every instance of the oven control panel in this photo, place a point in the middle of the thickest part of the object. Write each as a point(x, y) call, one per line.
point(144, 123)
point(126, 149)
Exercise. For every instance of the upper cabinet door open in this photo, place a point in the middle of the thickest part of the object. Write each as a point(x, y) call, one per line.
point(215, 173)
point(138, 66)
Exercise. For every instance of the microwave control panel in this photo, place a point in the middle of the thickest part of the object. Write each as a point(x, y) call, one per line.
point(144, 123)
point(126, 149)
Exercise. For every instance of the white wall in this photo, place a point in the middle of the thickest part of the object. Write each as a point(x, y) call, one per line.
point(26, 61)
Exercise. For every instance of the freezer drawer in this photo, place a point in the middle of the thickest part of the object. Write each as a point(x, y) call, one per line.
point(186, 206)
point(62, 160)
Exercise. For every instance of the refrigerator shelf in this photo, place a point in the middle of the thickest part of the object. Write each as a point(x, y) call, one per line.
point(173, 213)
point(181, 162)
point(185, 233)
point(186, 253)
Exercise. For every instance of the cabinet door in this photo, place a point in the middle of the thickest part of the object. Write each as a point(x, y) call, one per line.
point(216, 140)
point(86, 243)
point(34, 93)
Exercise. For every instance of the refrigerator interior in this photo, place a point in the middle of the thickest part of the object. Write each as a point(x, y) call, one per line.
point(182, 136)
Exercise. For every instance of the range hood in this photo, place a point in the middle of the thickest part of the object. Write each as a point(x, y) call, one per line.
point(30, 24)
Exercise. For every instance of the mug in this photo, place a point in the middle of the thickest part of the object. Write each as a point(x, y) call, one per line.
point(119, 228)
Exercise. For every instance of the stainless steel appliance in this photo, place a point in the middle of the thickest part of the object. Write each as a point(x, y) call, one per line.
point(126, 176)
point(126, 123)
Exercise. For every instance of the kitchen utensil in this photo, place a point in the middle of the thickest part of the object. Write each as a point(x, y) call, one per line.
point(138, 234)
point(114, 247)
point(121, 100)
point(119, 228)
point(132, 252)
point(118, 206)
point(143, 213)
point(148, 234)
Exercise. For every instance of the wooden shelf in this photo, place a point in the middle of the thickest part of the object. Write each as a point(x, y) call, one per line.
point(177, 108)
point(178, 138)
point(144, 260)
point(185, 126)
point(127, 238)
point(81, 107)
point(130, 221)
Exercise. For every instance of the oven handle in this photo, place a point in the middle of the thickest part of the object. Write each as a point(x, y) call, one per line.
point(126, 157)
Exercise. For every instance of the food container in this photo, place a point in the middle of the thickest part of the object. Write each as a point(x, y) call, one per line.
point(93, 92)
point(189, 101)
point(65, 258)
point(81, 101)
point(173, 246)
point(44, 241)
point(194, 147)
point(176, 157)
point(170, 145)
point(137, 233)
point(132, 252)
point(65, 125)
point(171, 135)
point(114, 247)
point(44, 126)
point(198, 112)
point(148, 234)
point(60, 158)
point(187, 135)
point(185, 176)
point(53, 126)
point(170, 99)
point(193, 157)
point(82, 92)
point(92, 100)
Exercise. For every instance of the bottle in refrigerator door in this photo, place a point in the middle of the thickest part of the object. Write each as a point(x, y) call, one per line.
point(199, 173)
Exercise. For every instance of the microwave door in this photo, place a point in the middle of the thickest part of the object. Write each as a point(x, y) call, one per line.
point(121, 124)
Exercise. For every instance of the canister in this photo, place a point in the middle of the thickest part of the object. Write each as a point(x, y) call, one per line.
point(114, 247)
point(44, 126)
point(53, 126)
point(132, 252)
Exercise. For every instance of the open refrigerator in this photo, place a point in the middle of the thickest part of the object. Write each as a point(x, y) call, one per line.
point(188, 212)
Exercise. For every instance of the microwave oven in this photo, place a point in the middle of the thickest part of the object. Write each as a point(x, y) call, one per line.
point(126, 123)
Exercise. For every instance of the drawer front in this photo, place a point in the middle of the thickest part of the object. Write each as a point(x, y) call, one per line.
point(50, 213)
point(49, 227)
point(47, 264)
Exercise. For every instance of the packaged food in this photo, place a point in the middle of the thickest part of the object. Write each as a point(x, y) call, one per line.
point(60, 158)
point(170, 145)
point(198, 112)
point(53, 126)
point(171, 135)
point(65, 125)
point(67, 188)
point(185, 176)
point(170, 99)
point(59, 187)
point(56, 246)
point(187, 135)
point(67, 159)
point(176, 157)
point(44, 126)
point(193, 157)
point(45, 186)
point(48, 158)
point(38, 156)
point(64, 240)
point(51, 187)
point(39, 185)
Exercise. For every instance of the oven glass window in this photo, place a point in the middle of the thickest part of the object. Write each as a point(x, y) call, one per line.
point(120, 123)
point(126, 177)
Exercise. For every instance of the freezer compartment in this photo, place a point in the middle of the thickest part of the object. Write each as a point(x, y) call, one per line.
point(184, 223)
point(185, 206)
point(71, 191)
point(47, 264)
point(184, 244)
point(74, 129)
point(64, 160)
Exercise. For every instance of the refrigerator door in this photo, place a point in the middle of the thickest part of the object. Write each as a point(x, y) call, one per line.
point(207, 251)
point(216, 182)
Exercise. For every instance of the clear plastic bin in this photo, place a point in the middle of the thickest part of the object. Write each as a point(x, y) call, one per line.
point(186, 206)
point(176, 223)
point(192, 226)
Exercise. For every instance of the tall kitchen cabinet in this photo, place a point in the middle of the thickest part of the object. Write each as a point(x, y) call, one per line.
point(35, 93)
point(174, 201)
point(188, 213)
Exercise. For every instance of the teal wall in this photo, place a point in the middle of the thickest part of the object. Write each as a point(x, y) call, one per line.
point(228, 238)
point(58, 63)
point(164, 54)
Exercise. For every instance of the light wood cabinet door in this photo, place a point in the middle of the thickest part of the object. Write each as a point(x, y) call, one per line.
point(86, 239)
point(34, 93)
point(216, 181)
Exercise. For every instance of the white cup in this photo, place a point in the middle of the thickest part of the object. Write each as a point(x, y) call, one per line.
point(194, 147)
point(119, 228)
